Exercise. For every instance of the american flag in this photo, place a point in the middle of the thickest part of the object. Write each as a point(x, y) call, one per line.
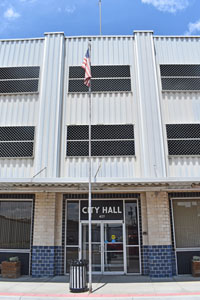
point(86, 67)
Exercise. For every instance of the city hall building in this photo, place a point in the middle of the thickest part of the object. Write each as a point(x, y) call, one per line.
point(145, 143)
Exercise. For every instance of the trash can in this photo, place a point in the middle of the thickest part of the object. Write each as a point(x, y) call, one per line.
point(78, 276)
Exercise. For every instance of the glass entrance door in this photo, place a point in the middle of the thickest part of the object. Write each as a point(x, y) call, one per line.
point(107, 246)
point(96, 246)
point(113, 248)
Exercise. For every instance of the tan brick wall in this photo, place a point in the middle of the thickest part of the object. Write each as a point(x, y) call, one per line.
point(144, 218)
point(58, 220)
point(47, 229)
point(158, 219)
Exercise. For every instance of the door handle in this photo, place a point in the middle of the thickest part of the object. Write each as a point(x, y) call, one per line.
point(100, 248)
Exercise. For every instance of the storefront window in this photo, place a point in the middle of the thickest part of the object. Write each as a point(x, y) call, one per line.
point(187, 223)
point(72, 223)
point(131, 220)
point(15, 224)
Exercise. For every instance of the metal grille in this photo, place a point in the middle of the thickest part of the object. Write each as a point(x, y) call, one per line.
point(19, 80)
point(180, 77)
point(100, 132)
point(16, 141)
point(107, 140)
point(184, 147)
point(78, 132)
point(19, 72)
point(101, 72)
point(183, 139)
point(112, 148)
point(101, 85)
point(183, 131)
point(77, 148)
point(181, 84)
point(104, 79)
point(180, 70)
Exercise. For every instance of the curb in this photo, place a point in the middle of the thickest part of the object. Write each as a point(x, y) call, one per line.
point(84, 296)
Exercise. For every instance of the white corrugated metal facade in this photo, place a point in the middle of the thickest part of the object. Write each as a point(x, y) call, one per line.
point(52, 109)
point(179, 107)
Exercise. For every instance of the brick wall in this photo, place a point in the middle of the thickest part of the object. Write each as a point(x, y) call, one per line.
point(47, 235)
point(157, 243)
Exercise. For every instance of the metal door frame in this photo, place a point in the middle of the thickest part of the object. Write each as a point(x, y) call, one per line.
point(102, 222)
point(109, 221)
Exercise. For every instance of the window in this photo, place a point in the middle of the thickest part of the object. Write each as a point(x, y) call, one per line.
point(183, 139)
point(106, 140)
point(19, 80)
point(104, 79)
point(187, 222)
point(15, 224)
point(180, 77)
point(16, 141)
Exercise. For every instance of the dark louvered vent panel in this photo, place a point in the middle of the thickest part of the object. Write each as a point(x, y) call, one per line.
point(16, 149)
point(104, 79)
point(183, 131)
point(108, 132)
point(77, 132)
point(180, 70)
point(181, 84)
point(113, 148)
point(184, 147)
point(19, 80)
point(183, 139)
point(77, 148)
point(101, 72)
point(107, 140)
point(16, 141)
point(180, 77)
point(18, 86)
point(100, 132)
point(19, 72)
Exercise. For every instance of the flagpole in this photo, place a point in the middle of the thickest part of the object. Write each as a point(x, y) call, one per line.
point(90, 182)
point(100, 15)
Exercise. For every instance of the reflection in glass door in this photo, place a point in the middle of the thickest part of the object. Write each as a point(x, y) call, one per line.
point(113, 248)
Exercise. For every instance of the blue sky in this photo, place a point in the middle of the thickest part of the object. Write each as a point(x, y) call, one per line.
point(31, 18)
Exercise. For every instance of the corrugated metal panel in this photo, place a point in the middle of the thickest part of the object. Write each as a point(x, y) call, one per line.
point(21, 52)
point(107, 108)
point(105, 50)
point(180, 167)
point(19, 110)
point(16, 168)
point(150, 126)
point(48, 148)
point(102, 168)
point(177, 50)
point(179, 107)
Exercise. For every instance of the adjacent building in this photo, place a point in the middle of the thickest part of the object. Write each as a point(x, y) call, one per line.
point(145, 153)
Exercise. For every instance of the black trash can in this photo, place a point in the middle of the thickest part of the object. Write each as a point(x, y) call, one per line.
point(78, 276)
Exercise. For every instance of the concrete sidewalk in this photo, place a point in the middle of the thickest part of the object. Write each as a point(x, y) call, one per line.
point(112, 287)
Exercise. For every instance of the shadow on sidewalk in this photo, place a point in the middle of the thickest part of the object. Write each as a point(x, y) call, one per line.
point(105, 279)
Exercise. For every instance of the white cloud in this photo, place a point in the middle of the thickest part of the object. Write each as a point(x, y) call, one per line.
point(11, 14)
point(70, 10)
point(193, 27)
point(171, 6)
